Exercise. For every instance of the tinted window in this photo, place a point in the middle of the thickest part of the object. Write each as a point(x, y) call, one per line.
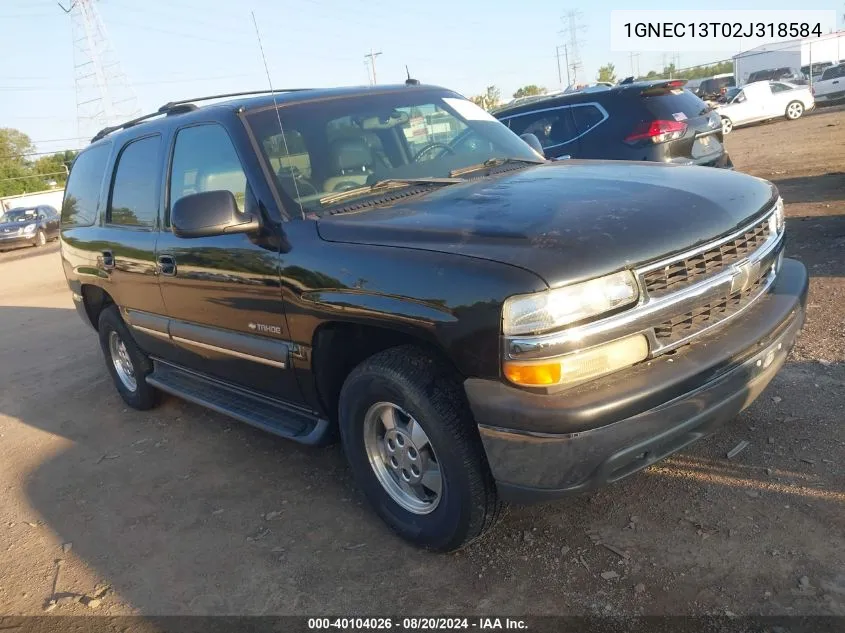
point(587, 117)
point(134, 198)
point(778, 87)
point(552, 126)
point(666, 105)
point(833, 73)
point(204, 159)
point(82, 192)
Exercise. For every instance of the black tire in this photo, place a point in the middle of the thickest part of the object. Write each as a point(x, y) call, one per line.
point(427, 390)
point(144, 396)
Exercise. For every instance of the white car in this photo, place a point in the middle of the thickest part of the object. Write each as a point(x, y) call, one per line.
point(831, 87)
point(763, 100)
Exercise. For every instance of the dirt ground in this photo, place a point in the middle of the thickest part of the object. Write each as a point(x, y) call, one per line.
point(182, 511)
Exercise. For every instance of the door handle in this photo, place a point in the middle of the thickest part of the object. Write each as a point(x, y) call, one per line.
point(108, 260)
point(167, 265)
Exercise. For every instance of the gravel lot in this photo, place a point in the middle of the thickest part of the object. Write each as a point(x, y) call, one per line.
point(182, 511)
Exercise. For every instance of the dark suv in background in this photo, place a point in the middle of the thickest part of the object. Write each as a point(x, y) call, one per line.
point(656, 121)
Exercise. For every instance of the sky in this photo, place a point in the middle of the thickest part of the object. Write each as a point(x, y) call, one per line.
point(173, 49)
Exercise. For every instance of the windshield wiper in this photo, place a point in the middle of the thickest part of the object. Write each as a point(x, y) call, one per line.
point(384, 185)
point(491, 162)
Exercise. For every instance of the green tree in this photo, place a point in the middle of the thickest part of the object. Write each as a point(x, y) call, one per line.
point(607, 73)
point(18, 174)
point(489, 100)
point(530, 90)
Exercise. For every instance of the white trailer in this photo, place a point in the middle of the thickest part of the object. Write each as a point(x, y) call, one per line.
point(798, 54)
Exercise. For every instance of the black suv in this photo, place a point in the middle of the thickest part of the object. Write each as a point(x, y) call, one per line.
point(784, 73)
point(650, 120)
point(394, 267)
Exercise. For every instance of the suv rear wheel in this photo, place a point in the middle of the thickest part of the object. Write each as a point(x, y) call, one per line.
point(127, 364)
point(794, 110)
point(413, 448)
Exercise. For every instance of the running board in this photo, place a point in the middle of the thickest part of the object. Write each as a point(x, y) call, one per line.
point(264, 413)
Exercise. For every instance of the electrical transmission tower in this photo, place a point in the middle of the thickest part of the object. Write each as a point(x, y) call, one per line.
point(103, 94)
point(571, 32)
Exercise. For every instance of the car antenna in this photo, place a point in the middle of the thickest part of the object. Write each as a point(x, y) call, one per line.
point(276, 108)
point(409, 81)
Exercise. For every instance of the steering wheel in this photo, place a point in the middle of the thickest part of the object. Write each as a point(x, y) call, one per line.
point(430, 147)
point(346, 185)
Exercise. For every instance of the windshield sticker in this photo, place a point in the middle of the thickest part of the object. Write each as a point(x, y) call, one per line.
point(679, 116)
point(468, 110)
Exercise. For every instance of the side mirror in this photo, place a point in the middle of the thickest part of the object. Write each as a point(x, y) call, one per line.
point(210, 213)
point(534, 143)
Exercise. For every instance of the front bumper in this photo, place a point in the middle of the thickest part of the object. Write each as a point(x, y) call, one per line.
point(545, 446)
point(15, 240)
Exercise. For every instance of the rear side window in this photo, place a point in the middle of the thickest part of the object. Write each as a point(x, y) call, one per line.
point(553, 126)
point(674, 105)
point(587, 117)
point(134, 198)
point(82, 192)
point(204, 159)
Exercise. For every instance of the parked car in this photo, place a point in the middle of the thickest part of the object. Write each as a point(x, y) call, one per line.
point(474, 323)
point(831, 87)
point(765, 100)
point(713, 87)
point(649, 120)
point(28, 226)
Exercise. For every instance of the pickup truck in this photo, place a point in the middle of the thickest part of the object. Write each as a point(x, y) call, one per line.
point(831, 87)
point(393, 267)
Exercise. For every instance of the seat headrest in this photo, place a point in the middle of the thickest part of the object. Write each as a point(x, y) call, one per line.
point(351, 154)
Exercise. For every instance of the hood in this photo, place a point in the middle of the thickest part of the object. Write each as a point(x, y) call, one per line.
point(566, 221)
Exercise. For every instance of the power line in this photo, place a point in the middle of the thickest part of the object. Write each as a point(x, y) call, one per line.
point(55, 173)
point(571, 31)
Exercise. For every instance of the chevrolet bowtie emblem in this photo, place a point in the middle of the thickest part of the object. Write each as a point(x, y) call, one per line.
point(746, 274)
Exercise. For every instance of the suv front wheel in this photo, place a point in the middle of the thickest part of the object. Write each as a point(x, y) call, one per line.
point(413, 448)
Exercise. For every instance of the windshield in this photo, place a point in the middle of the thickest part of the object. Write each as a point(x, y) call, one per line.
point(19, 215)
point(335, 145)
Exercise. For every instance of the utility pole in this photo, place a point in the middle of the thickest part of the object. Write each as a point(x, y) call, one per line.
point(372, 57)
point(566, 55)
point(104, 96)
point(571, 31)
point(631, 56)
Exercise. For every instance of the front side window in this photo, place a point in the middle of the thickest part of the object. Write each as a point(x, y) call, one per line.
point(134, 198)
point(833, 73)
point(331, 146)
point(82, 191)
point(204, 159)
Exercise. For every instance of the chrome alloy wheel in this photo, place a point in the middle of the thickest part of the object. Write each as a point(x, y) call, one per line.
point(794, 110)
point(121, 361)
point(402, 457)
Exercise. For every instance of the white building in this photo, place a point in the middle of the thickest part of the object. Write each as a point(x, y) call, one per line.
point(52, 197)
point(818, 51)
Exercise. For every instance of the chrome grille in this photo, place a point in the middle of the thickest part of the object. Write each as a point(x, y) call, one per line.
point(682, 273)
point(685, 325)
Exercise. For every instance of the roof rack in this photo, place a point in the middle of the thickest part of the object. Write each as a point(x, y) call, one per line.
point(182, 106)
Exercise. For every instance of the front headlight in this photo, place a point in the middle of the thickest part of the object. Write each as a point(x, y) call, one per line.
point(776, 220)
point(550, 309)
point(29, 229)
